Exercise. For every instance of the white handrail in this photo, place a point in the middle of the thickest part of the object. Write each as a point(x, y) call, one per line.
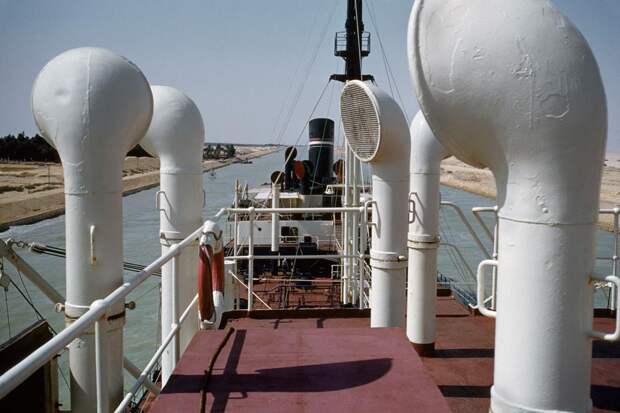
point(615, 336)
point(320, 210)
point(153, 361)
point(98, 309)
point(461, 257)
point(614, 258)
point(470, 229)
point(248, 288)
point(294, 257)
point(6, 250)
point(477, 210)
point(480, 290)
point(24, 369)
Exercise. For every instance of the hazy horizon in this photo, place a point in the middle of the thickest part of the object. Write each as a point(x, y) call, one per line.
point(244, 62)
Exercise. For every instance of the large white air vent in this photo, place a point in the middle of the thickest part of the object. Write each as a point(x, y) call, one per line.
point(360, 118)
point(377, 132)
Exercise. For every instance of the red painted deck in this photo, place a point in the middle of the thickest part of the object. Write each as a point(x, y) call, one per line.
point(462, 366)
point(304, 370)
point(329, 360)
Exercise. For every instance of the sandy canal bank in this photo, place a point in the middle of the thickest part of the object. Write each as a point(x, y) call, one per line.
point(459, 175)
point(33, 191)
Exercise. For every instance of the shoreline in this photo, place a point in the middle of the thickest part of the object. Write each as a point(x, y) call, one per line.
point(454, 174)
point(458, 175)
point(28, 210)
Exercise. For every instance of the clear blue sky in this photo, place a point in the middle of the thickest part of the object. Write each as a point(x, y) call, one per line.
point(242, 61)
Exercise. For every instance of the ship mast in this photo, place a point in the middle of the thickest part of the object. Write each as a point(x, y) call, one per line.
point(353, 44)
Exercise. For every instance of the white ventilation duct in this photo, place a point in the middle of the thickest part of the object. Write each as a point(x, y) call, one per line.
point(176, 137)
point(513, 85)
point(92, 106)
point(377, 132)
point(426, 156)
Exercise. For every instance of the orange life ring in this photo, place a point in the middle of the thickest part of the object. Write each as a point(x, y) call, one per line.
point(205, 287)
point(217, 271)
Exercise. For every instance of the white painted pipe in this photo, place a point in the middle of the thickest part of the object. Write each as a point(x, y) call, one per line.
point(514, 86)
point(275, 218)
point(176, 137)
point(377, 132)
point(346, 228)
point(355, 231)
point(93, 106)
point(423, 238)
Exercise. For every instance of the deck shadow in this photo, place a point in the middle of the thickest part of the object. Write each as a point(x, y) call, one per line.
point(606, 397)
point(467, 391)
point(456, 353)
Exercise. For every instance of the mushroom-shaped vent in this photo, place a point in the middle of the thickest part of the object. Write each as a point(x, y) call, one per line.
point(360, 117)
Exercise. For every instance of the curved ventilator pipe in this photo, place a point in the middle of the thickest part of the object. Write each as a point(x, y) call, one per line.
point(93, 106)
point(423, 238)
point(377, 132)
point(513, 86)
point(176, 137)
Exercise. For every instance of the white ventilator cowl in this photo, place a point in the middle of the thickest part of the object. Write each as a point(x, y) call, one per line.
point(513, 86)
point(176, 137)
point(93, 106)
point(176, 132)
point(377, 132)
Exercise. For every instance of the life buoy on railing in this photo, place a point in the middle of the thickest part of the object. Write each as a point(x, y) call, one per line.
point(217, 280)
point(217, 271)
point(211, 276)
point(205, 287)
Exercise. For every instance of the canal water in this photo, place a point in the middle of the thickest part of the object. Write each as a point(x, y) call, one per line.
point(141, 245)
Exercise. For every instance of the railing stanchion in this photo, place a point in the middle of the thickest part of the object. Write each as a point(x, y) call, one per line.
point(176, 342)
point(355, 200)
point(468, 226)
point(494, 273)
point(362, 251)
point(101, 363)
point(236, 226)
point(251, 260)
point(614, 262)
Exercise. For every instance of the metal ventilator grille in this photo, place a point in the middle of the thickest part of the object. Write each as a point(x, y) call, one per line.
point(361, 122)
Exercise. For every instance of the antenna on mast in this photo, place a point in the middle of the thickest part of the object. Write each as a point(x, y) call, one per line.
point(352, 45)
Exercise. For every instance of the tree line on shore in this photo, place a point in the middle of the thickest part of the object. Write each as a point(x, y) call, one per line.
point(219, 151)
point(24, 148)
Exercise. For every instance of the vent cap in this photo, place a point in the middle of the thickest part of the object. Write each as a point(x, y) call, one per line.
point(360, 118)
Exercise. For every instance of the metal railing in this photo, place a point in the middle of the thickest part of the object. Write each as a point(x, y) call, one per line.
point(468, 226)
point(493, 236)
point(97, 316)
point(341, 40)
point(613, 291)
point(55, 297)
point(252, 212)
point(97, 313)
